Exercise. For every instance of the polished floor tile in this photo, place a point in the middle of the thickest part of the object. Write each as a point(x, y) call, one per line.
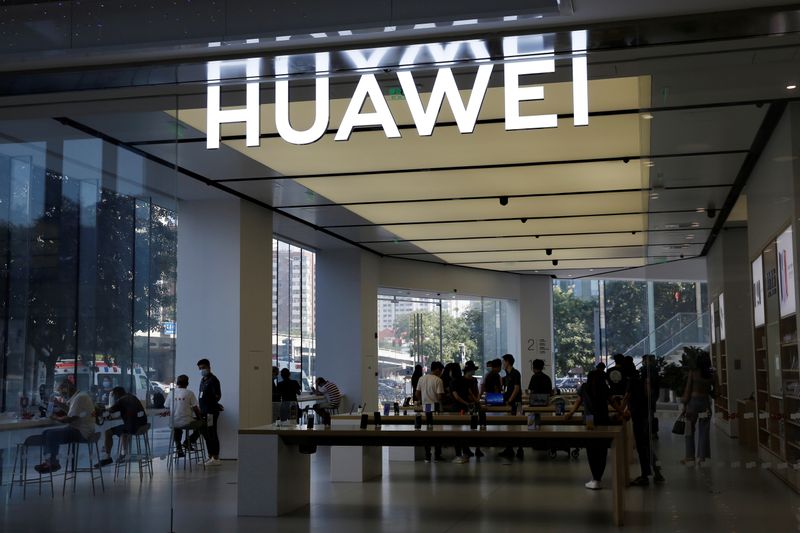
point(538, 494)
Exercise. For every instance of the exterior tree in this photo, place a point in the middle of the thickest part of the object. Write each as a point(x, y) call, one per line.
point(626, 314)
point(573, 324)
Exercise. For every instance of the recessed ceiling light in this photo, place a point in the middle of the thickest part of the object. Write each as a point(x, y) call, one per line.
point(647, 116)
point(690, 237)
point(650, 164)
point(791, 87)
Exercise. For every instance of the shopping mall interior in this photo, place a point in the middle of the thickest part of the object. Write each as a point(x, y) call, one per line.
point(607, 190)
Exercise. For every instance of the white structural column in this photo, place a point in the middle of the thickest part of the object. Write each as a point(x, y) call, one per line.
point(536, 325)
point(225, 307)
point(347, 318)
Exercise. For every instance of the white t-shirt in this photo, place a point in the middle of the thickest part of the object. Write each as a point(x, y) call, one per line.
point(82, 406)
point(181, 403)
point(430, 387)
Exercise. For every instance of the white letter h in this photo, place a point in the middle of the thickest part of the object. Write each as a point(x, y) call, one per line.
point(250, 114)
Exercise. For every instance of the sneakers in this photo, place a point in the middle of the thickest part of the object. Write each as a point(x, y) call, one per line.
point(593, 485)
point(460, 460)
point(213, 462)
point(468, 454)
point(46, 468)
point(641, 481)
point(658, 478)
point(104, 462)
point(427, 458)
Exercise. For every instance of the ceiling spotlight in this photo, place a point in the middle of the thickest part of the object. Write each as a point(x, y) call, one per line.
point(555, 262)
point(503, 200)
point(633, 233)
point(711, 212)
point(536, 236)
point(523, 220)
point(549, 251)
point(791, 87)
point(626, 160)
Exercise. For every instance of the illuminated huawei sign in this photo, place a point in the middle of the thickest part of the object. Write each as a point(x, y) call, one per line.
point(517, 63)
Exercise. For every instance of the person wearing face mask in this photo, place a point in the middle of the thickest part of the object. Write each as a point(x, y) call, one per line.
point(209, 397)
point(103, 395)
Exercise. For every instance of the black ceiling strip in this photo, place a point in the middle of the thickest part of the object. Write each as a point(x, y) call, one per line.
point(495, 196)
point(554, 249)
point(490, 166)
point(768, 125)
point(534, 235)
point(530, 218)
point(549, 259)
point(199, 177)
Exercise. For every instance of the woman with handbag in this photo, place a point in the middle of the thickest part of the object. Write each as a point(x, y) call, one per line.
point(697, 411)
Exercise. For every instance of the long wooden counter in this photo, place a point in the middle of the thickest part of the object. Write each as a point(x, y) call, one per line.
point(274, 474)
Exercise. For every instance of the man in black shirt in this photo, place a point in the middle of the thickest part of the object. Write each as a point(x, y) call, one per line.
point(512, 393)
point(209, 397)
point(133, 417)
point(540, 382)
point(492, 382)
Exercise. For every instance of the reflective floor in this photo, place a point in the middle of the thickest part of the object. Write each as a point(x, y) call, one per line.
point(539, 494)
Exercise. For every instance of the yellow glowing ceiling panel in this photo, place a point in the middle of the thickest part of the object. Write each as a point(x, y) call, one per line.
point(541, 255)
point(541, 179)
point(483, 209)
point(591, 224)
point(512, 266)
point(512, 243)
point(370, 151)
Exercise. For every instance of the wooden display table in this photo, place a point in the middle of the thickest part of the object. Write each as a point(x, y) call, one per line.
point(274, 474)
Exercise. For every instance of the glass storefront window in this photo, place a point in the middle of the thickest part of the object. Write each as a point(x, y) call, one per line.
point(294, 311)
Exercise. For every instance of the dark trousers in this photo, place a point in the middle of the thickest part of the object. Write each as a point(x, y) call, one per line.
point(196, 426)
point(54, 438)
point(597, 455)
point(437, 449)
point(210, 434)
point(641, 435)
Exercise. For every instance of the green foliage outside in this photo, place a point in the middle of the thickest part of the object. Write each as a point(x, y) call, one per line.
point(573, 324)
point(465, 330)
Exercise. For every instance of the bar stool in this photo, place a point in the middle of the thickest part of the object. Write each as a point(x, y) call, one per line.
point(195, 455)
point(143, 458)
point(20, 476)
point(72, 469)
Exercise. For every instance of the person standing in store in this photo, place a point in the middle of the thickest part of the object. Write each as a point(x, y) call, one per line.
point(415, 380)
point(492, 382)
point(512, 393)
point(430, 391)
point(652, 383)
point(636, 403)
point(696, 401)
point(210, 408)
point(594, 396)
point(540, 382)
point(465, 396)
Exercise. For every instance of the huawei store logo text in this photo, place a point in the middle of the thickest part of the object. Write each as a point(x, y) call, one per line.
point(424, 117)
